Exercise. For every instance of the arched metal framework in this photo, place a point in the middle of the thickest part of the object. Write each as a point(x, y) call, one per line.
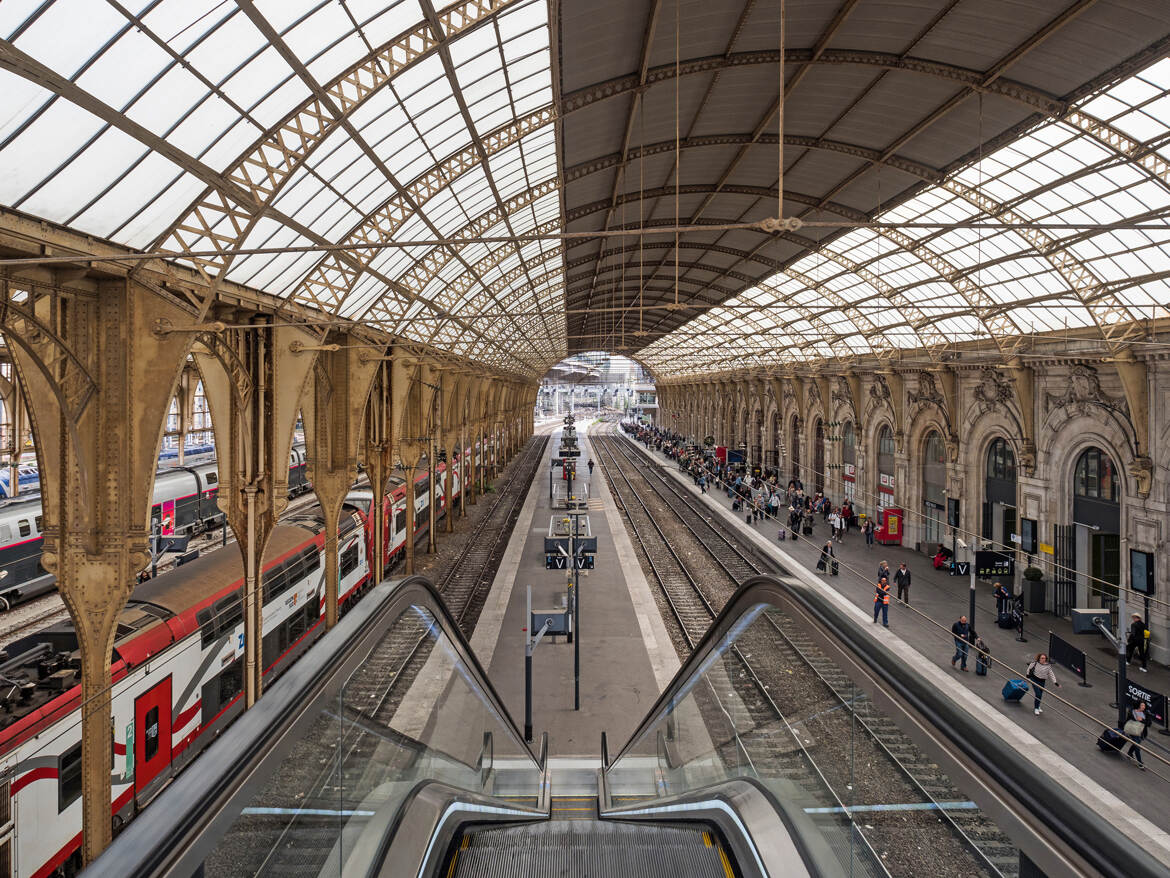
point(218, 127)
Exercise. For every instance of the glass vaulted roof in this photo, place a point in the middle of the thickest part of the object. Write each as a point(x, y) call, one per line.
point(869, 291)
point(319, 130)
point(210, 126)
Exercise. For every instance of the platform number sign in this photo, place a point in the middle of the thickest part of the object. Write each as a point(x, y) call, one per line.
point(561, 562)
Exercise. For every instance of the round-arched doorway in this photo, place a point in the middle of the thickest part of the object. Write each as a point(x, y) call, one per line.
point(849, 460)
point(885, 468)
point(934, 483)
point(818, 474)
point(999, 495)
point(794, 450)
point(1097, 528)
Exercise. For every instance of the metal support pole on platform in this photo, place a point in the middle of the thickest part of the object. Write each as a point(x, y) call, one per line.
point(576, 615)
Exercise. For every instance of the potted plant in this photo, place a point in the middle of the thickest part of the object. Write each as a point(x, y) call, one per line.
point(1034, 590)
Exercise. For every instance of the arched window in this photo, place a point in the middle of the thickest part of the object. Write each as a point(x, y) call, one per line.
point(849, 458)
point(794, 451)
point(999, 493)
point(885, 467)
point(1096, 477)
point(818, 478)
point(1001, 461)
point(934, 478)
point(1096, 530)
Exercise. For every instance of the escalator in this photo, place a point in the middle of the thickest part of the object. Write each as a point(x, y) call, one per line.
point(790, 743)
point(590, 847)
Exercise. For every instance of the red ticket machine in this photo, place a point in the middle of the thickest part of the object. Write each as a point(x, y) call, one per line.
point(889, 529)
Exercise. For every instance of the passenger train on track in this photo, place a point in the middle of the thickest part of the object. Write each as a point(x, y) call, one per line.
point(183, 504)
point(177, 671)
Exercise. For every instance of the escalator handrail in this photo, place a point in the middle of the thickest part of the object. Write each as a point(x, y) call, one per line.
point(1100, 844)
point(189, 808)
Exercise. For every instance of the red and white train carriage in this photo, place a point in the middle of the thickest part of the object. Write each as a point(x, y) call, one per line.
point(177, 671)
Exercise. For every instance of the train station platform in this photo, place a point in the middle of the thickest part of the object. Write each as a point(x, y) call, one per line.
point(627, 657)
point(1067, 725)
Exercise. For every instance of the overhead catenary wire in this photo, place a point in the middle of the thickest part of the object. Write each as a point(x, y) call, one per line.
point(768, 226)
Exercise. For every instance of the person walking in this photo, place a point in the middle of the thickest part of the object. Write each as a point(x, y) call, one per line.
point(881, 601)
point(961, 632)
point(902, 580)
point(1040, 674)
point(883, 570)
point(1137, 726)
point(1003, 600)
point(826, 556)
point(1137, 642)
point(868, 530)
point(590, 464)
point(702, 483)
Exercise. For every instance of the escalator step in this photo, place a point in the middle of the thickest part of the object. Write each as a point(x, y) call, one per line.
point(590, 849)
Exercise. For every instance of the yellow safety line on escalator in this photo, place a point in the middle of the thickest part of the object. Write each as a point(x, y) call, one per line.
point(727, 870)
point(707, 839)
point(462, 847)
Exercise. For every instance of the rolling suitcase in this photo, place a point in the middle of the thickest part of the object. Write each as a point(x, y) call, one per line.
point(982, 663)
point(834, 567)
point(1006, 620)
point(783, 534)
point(1014, 690)
point(1111, 741)
point(807, 529)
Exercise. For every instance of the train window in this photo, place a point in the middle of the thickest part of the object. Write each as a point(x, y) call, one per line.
point(275, 581)
point(24, 528)
point(151, 732)
point(219, 691)
point(311, 559)
point(400, 522)
point(349, 560)
point(37, 522)
point(206, 625)
point(5, 533)
point(212, 478)
point(228, 613)
point(69, 778)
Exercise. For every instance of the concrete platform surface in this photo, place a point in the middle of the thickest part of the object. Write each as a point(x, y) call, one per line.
point(626, 654)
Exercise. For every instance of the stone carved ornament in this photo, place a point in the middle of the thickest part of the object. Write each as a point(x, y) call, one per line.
point(928, 393)
point(814, 393)
point(879, 393)
point(993, 391)
point(1083, 393)
point(841, 393)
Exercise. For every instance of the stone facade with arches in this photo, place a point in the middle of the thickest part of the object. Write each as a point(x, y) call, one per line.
point(1046, 410)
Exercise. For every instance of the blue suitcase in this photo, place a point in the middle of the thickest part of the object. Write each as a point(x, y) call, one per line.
point(1014, 690)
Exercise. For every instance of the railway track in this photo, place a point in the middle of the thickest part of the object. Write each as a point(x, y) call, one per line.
point(349, 754)
point(786, 661)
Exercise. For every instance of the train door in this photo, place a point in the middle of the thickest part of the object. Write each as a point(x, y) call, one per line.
point(152, 734)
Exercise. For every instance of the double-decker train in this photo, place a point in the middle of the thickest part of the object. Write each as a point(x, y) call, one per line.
point(183, 504)
point(177, 671)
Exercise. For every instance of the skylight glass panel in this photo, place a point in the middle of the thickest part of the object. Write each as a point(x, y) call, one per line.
point(96, 168)
point(51, 140)
point(124, 69)
point(56, 40)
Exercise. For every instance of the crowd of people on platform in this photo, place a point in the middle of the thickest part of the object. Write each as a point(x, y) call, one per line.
point(761, 497)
